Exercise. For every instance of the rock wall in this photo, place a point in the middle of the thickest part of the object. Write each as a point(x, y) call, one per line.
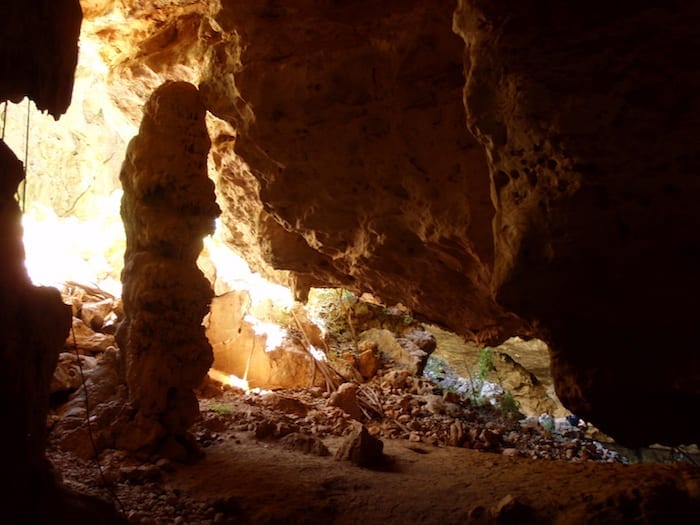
point(350, 118)
point(34, 324)
point(243, 346)
point(566, 194)
point(39, 52)
point(589, 113)
point(168, 207)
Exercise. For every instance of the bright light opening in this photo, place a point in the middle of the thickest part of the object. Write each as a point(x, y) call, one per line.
point(233, 273)
point(274, 334)
point(63, 249)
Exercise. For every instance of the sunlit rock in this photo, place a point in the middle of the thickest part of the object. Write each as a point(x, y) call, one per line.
point(255, 353)
point(84, 339)
point(402, 352)
point(355, 139)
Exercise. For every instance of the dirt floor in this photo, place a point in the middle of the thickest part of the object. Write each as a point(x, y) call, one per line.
point(391, 448)
point(271, 459)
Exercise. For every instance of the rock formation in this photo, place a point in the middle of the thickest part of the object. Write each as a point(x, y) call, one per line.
point(350, 117)
point(244, 347)
point(586, 159)
point(588, 115)
point(39, 52)
point(502, 161)
point(168, 207)
point(34, 322)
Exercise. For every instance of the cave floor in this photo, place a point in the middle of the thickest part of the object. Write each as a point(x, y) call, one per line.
point(250, 474)
point(422, 484)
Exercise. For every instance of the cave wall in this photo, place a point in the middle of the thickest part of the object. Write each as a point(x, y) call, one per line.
point(559, 185)
point(38, 50)
point(533, 157)
point(34, 324)
point(350, 118)
point(589, 115)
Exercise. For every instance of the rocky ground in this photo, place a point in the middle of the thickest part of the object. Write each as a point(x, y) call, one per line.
point(382, 442)
point(297, 457)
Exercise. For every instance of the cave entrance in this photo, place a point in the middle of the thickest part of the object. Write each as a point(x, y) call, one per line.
point(260, 336)
point(262, 339)
point(75, 241)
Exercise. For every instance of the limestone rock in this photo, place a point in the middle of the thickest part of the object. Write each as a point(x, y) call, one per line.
point(68, 376)
point(362, 449)
point(376, 122)
point(105, 388)
point(403, 352)
point(595, 209)
point(95, 314)
point(305, 443)
point(168, 207)
point(86, 340)
point(42, 66)
point(242, 347)
point(368, 362)
point(569, 188)
point(346, 398)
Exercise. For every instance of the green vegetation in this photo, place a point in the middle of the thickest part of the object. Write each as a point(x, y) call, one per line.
point(220, 409)
point(332, 307)
point(509, 406)
point(486, 364)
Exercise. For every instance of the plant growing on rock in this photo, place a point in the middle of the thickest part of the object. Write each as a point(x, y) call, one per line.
point(486, 364)
point(509, 406)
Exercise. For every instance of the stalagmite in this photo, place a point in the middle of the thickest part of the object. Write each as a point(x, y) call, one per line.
point(167, 208)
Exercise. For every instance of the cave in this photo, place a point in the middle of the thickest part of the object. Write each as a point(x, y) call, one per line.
point(492, 169)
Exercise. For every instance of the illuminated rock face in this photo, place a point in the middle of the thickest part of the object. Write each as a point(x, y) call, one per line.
point(260, 355)
point(168, 207)
point(350, 118)
point(577, 208)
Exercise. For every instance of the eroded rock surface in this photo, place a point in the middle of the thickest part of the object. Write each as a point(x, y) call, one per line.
point(259, 352)
point(167, 208)
point(344, 157)
point(351, 121)
point(589, 115)
point(39, 52)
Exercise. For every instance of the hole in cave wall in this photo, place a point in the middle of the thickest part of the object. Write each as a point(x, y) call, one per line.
point(74, 237)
